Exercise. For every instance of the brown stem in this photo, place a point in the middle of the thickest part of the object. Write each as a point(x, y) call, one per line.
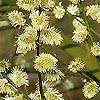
point(39, 74)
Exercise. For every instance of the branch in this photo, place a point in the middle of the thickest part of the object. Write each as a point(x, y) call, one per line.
point(39, 74)
point(95, 32)
point(6, 28)
point(86, 21)
point(98, 60)
point(9, 8)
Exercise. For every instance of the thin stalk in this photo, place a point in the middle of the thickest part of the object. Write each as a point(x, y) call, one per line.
point(38, 52)
point(98, 60)
point(97, 34)
point(89, 77)
point(88, 27)
point(13, 57)
point(9, 8)
point(86, 22)
point(6, 28)
point(25, 87)
point(39, 74)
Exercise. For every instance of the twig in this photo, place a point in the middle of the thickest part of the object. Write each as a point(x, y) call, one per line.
point(86, 21)
point(9, 8)
point(91, 38)
point(6, 28)
point(89, 76)
point(98, 60)
point(39, 74)
point(25, 87)
point(95, 32)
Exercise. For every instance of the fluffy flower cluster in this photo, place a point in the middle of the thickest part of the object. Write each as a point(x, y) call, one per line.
point(39, 21)
point(6, 88)
point(38, 31)
point(59, 11)
point(51, 36)
point(4, 65)
point(16, 18)
point(19, 77)
point(2, 84)
point(80, 30)
point(80, 35)
point(95, 49)
point(30, 5)
point(90, 89)
point(76, 65)
point(47, 4)
point(45, 62)
point(16, 97)
point(49, 92)
point(26, 41)
point(73, 9)
point(78, 22)
point(75, 1)
point(52, 94)
point(94, 12)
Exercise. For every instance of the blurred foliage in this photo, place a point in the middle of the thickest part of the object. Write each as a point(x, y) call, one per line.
point(8, 2)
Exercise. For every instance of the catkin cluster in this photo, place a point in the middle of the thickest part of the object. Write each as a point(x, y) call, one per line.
point(36, 32)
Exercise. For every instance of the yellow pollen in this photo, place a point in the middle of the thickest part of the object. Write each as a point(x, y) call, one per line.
point(39, 20)
point(28, 38)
